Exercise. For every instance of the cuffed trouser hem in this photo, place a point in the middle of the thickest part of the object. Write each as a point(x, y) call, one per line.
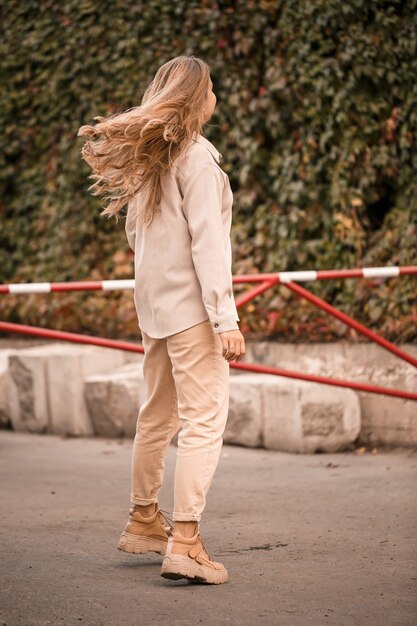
point(186, 517)
point(141, 501)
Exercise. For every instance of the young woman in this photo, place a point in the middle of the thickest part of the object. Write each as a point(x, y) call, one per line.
point(155, 159)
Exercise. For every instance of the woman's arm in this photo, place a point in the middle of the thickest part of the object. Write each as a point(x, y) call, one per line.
point(202, 189)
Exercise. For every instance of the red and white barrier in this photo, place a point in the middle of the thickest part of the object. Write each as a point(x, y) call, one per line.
point(283, 277)
point(87, 285)
point(266, 281)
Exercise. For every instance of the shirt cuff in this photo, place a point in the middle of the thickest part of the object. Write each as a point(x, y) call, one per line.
point(221, 326)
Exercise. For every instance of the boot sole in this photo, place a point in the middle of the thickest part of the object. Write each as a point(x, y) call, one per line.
point(134, 544)
point(176, 566)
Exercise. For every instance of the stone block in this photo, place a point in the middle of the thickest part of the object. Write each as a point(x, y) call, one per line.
point(244, 425)
point(132, 357)
point(309, 417)
point(49, 382)
point(27, 396)
point(114, 399)
point(385, 420)
point(7, 389)
point(281, 423)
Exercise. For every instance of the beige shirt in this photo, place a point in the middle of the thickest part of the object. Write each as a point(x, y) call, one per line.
point(183, 261)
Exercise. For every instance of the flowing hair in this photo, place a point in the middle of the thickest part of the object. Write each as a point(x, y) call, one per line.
point(130, 151)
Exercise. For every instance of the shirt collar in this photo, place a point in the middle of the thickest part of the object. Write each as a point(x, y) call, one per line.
point(210, 147)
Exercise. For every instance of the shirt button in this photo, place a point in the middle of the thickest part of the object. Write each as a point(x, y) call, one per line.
point(215, 325)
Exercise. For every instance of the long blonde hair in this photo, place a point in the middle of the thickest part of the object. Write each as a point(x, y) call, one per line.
point(130, 151)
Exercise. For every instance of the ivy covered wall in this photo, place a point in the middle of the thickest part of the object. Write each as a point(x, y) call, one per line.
point(316, 120)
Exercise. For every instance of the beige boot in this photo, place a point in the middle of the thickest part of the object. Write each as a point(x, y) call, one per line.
point(145, 534)
point(188, 558)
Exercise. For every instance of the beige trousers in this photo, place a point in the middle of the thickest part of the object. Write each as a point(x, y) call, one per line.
point(187, 390)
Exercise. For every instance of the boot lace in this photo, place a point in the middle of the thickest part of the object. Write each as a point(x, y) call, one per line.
point(168, 520)
point(164, 513)
point(204, 546)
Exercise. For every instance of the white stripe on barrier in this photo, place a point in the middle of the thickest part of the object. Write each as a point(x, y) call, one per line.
point(285, 277)
point(380, 272)
point(30, 288)
point(129, 283)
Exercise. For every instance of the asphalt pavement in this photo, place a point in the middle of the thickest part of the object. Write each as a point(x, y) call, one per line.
point(308, 539)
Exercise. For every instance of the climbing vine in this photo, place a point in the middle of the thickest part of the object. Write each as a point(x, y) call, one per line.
point(316, 121)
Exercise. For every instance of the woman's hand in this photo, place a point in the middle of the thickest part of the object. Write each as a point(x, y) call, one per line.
point(233, 345)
